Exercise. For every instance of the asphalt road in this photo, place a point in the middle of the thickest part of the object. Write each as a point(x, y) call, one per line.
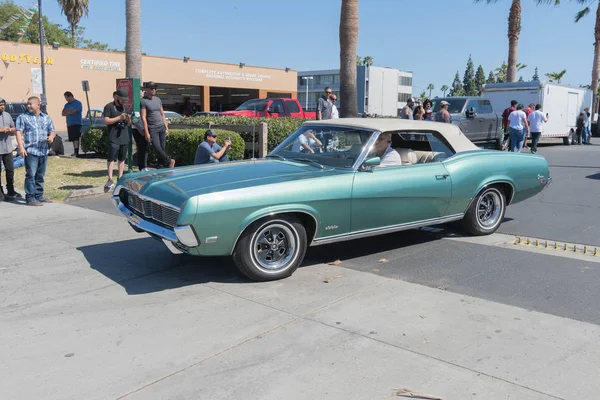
point(567, 211)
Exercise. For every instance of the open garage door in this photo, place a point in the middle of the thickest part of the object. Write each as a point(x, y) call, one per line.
point(182, 99)
point(227, 99)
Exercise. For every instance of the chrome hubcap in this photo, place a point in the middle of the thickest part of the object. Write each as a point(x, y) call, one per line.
point(489, 209)
point(274, 246)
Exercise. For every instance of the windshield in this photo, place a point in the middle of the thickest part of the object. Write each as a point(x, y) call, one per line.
point(253, 105)
point(171, 114)
point(330, 146)
point(455, 107)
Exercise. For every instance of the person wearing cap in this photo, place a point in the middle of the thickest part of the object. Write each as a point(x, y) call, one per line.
point(116, 121)
point(35, 131)
point(7, 136)
point(72, 111)
point(406, 112)
point(156, 127)
point(443, 115)
point(429, 115)
point(209, 151)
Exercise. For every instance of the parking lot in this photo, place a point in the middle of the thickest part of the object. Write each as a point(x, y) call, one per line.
point(90, 309)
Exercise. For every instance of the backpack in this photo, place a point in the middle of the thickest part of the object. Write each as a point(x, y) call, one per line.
point(57, 147)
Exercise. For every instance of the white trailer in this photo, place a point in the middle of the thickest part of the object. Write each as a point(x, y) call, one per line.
point(562, 103)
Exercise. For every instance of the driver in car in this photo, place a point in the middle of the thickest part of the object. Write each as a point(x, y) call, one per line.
point(307, 143)
point(383, 149)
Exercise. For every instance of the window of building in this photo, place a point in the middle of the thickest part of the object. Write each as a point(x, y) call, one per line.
point(403, 97)
point(405, 81)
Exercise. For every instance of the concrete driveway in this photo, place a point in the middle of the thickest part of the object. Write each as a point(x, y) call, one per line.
point(90, 309)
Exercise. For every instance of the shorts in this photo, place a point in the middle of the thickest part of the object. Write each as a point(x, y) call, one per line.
point(74, 132)
point(117, 151)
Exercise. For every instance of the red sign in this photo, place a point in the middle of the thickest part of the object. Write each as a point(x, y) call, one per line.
point(126, 85)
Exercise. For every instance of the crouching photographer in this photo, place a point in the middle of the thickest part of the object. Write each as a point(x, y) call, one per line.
point(116, 121)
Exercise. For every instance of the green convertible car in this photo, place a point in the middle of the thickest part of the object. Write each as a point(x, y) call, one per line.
point(329, 181)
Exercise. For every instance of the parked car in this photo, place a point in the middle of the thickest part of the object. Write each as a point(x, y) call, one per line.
point(476, 118)
point(271, 108)
point(266, 212)
point(96, 118)
point(200, 113)
point(169, 115)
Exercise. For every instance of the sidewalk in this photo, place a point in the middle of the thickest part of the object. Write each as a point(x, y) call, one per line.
point(90, 309)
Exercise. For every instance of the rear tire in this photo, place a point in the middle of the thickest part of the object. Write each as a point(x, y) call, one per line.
point(486, 212)
point(567, 141)
point(271, 248)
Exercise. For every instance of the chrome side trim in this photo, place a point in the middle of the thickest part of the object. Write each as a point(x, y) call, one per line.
point(147, 226)
point(272, 214)
point(172, 247)
point(490, 184)
point(388, 229)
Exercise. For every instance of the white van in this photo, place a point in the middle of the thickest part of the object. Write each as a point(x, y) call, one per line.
point(562, 103)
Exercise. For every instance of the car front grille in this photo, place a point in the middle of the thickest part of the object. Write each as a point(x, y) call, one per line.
point(150, 209)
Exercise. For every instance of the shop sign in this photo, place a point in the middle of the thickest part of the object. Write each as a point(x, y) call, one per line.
point(232, 76)
point(21, 58)
point(100, 65)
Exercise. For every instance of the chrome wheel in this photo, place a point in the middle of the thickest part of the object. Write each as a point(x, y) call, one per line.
point(274, 246)
point(489, 209)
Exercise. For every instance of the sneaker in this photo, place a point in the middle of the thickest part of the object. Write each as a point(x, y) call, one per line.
point(172, 163)
point(145, 170)
point(108, 185)
point(34, 203)
point(14, 195)
point(44, 200)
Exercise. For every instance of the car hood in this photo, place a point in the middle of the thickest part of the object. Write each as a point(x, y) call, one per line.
point(175, 186)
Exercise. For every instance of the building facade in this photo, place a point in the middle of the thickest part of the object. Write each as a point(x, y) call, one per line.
point(184, 86)
point(381, 91)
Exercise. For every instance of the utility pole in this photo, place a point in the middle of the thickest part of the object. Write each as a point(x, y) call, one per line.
point(42, 59)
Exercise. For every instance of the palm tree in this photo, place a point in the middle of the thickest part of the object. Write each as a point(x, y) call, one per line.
point(359, 60)
point(133, 43)
point(430, 87)
point(368, 61)
point(348, 42)
point(556, 76)
point(444, 88)
point(514, 30)
point(74, 10)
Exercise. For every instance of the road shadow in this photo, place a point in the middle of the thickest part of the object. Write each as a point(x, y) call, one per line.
point(88, 174)
point(145, 265)
point(594, 176)
point(76, 187)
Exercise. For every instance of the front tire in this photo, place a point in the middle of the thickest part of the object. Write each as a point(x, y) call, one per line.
point(486, 213)
point(271, 248)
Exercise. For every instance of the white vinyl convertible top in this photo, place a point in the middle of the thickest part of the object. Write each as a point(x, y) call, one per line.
point(452, 133)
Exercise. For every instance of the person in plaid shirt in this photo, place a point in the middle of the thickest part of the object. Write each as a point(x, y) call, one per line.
point(35, 131)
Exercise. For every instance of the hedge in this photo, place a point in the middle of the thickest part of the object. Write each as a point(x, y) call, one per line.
point(278, 128)
point(181, 144)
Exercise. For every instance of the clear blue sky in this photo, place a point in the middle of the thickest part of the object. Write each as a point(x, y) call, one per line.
point(432, 39)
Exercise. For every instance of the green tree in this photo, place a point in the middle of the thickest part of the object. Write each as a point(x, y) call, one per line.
point(536, 77)
point(74, 10)
point(444, 89)
point(501, 73)
point(54, 32)
point(469, 85)
point(479, 80)
point(491, 78)
point(430, 87)
point(521, 79)
point(556, 76)
point(457, 87)
point(368, 61)
point(423, 96)
point(348, 42)
point(359, 60)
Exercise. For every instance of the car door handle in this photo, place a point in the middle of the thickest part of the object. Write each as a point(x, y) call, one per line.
point(443, 176)
point(480, 119)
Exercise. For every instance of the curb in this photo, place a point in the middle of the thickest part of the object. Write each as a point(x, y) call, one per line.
point(80, 194)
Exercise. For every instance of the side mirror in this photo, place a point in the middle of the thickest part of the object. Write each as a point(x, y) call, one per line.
point(470, 113)
point(371, 163)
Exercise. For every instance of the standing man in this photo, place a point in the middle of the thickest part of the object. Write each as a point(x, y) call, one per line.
point(7, 134)
point(536, 122)
point(324, 105)
point(116, 121)
point(506, 113)
point(335, 114)
point(407, 110)
point(518, 128)
point(209, 151)
point(156, 127)
point(443, 115)
point(35, 131)
point(73, 110)
point(587, 126)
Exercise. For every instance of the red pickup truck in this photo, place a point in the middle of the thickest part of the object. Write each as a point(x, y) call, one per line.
point(270, 108)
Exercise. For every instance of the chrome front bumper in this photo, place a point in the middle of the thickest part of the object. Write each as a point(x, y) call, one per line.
point(141, 225)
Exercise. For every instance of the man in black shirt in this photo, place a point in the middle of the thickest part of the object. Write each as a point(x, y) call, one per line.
point(116, 121)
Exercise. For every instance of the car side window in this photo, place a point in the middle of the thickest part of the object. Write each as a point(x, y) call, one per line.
point(292, 106)
point(276, 107)
point(473, 104)
point(421, 147)
point(485, 107)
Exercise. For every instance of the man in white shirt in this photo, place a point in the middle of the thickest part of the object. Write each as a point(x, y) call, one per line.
point(334, 111)
point(382, 149)
point(536, 122)
point(307, 143)
point(518, 128)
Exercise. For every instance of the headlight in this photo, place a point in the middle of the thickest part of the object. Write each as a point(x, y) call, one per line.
point(186, 235)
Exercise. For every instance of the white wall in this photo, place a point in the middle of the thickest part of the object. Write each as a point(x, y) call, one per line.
point(383, 91)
